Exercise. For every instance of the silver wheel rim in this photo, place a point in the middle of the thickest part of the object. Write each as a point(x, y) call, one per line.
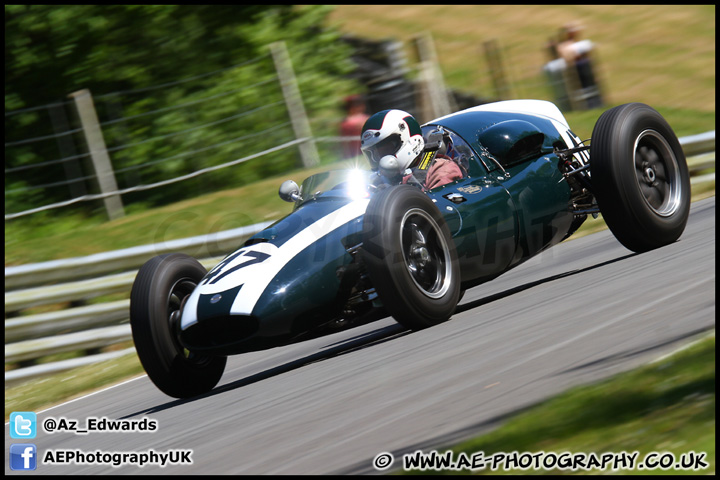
point(181, 289)
point(425, 253)
point(657, 173)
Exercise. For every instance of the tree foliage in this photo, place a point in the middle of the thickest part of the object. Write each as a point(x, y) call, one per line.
point(176, 88)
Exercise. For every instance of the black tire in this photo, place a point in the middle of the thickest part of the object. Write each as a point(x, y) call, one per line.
point(410, 257)
point(640, 177)
point(159, 289)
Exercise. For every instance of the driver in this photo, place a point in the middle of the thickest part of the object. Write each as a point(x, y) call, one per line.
point(393, 143)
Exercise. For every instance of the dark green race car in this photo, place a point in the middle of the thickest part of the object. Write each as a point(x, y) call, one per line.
point(355, 249)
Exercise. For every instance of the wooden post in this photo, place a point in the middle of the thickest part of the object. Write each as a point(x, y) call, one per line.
point(436, 94)
point(497, 72)
point(293, 100)
point(73, 172)
point(426, 108)
point(98, 152)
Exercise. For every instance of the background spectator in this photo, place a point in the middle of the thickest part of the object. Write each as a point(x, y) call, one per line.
point(352, 125)
point(554, 70)
point(577, 56)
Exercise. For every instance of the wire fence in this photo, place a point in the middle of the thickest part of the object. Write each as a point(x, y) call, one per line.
point(157, 137)
point(160, 135)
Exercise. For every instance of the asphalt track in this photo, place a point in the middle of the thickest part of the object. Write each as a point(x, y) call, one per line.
point(580, 312)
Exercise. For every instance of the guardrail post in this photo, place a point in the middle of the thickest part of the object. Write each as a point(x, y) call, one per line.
point(98, 152)
point(293, 100)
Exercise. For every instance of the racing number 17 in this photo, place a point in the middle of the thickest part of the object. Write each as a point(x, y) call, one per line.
point(214, 276)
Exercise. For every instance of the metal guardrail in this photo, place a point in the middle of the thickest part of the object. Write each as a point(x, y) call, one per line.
point(77, 291)
point(21, 375)
point(85, 340)
point(87, 327)
point(203, 246)
point(696, 144)
point(94, 326)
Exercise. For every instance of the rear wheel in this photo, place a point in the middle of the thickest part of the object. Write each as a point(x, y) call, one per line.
point(157, 295)
point(410, 257)
point(640, 177)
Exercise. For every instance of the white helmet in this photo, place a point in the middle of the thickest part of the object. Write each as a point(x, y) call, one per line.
point(392, 132)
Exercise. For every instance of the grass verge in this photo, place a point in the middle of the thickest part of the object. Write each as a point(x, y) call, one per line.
point(39, 394)
point(48, 236)
point(666, 407)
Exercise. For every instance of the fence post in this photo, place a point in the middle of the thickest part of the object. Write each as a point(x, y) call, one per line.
point(71, 165)
point(293, 100)
point(436, 95)
point(98, 152)
point(497, 72)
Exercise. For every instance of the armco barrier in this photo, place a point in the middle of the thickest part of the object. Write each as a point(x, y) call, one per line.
point(103, 324)
point(95, 326)
point(203, 246)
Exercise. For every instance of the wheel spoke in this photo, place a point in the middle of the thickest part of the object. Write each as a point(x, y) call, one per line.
point(657, 172)
point(651, 156)
point(418, 236)
point(652, 194)
point(660, 174)
point(662, 189)
point(657, 198)
point(412, 266)
point(424, 254)
point(640, 165)
point(640, 158)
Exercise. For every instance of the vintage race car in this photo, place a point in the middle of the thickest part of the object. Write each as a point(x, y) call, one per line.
point(356, 249)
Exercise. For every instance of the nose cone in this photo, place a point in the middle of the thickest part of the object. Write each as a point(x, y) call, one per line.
point(303, 294)
point(233, 286)
point(306, 288)
point(277, 286)
point(208, 324)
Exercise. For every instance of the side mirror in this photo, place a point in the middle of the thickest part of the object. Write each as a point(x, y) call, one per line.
point(289, 191)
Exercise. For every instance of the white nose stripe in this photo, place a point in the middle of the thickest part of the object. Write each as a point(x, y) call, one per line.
point(257, 275)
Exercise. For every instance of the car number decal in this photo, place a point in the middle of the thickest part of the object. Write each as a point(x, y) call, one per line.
point(214, 276)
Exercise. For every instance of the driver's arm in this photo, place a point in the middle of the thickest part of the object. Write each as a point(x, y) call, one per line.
point(442, 171)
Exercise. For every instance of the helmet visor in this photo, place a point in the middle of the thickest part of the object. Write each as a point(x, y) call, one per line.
point(387, 146)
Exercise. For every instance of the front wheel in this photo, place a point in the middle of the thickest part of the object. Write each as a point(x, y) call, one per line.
point(410, 257)
point(157, 294)
point(640, 177)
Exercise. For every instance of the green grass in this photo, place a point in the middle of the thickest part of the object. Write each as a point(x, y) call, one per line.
point(662, 55)
point(667, 406)
point(51, 236)
point(38, 394)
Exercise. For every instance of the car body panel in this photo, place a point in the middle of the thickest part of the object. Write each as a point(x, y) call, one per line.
point(536, 198)
point(484, 225)
point(287, 280)
point(294, 258)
